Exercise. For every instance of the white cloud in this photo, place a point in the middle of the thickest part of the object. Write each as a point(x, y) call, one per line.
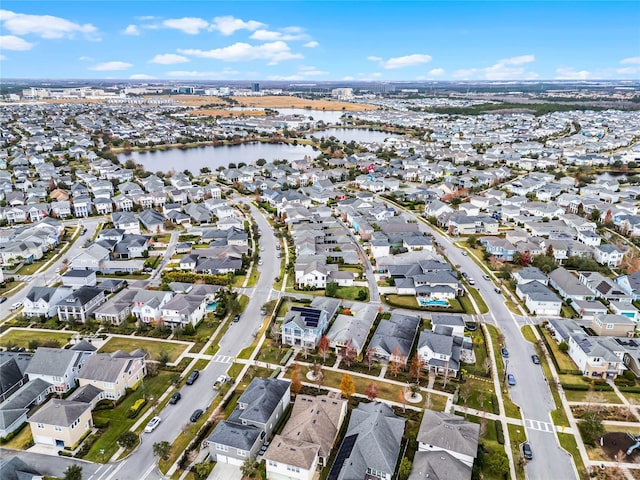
point(290, 34)
point(228, 25)
point(565, 73)
point(168, 59)
point(2, 57)
point(11, 42)
point(189, 25)
point(45, 26)
point(110, 66)
point(628, 70)
point(141, 76)
point(85, 59)
point(311, 44)
point(131, 30)
point(513, 68)
point(195, 73)
point(348, 78)
point(402, 62)
point(436, 72)
point(275, 52)
point(630, 60)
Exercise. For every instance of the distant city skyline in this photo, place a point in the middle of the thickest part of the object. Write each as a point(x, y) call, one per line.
point(306, 42)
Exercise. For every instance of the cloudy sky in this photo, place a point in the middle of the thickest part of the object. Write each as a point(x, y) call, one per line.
point(307, 41)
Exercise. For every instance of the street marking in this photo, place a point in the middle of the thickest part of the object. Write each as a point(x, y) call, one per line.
point(538, 425)
point(223, 359)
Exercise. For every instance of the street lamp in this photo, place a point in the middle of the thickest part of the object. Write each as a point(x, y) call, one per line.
point(506, 366)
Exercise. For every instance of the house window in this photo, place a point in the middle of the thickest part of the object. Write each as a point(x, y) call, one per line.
point(271, 463)
point(57, 428)
point(609, 326)
point(40, 425)
point(222, 448)
point(241, 453)
point(293, 469)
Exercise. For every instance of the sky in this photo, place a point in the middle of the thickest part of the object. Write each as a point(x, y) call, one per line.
point(310, 41)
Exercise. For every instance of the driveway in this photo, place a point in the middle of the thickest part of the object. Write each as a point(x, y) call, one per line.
point(224, 471)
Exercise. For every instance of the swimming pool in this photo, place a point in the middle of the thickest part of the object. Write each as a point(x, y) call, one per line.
point(212, 306)
point(433, 303)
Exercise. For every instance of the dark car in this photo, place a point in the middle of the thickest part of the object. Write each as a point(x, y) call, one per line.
point(526, 451)
point(535, 359)
point(505, 352)
point(3, 299)
point(175, 398)
point(236, 319)
point(193, 377)
point(497, 290)
point(196, 415)
point(511, 379)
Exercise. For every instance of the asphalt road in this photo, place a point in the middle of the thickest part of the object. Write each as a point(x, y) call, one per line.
point(531, 391)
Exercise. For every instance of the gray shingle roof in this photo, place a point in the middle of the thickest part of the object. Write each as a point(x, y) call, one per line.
point(52, 361)
point(60, 412)
point(235, 435)
point(261, 399)
point(438, 466)
point(105, 367)
point(15, 469)
point(449, 432)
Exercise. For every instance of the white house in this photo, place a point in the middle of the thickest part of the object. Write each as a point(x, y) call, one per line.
point(609, 255)
point(539, 299)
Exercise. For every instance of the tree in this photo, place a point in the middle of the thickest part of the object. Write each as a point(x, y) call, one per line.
point(595, 215)
point(465, 392)
point(370, 357)
point(549, 253)
point(347, 387)
point(323, 347)
point(416, 367)
point(318, 374)
point(395, 362)
point(372, 391)
point(127, 439)
point(523, 258)
point(405, 469)
point(161, 449)
point(73, 472)
point(250, 468)
point(331, 290)
point(498, 463)
point(163, 358)
point(563, 346)
point(261, 162)
point(348, 352)
point(296, 382)
point(591, 426)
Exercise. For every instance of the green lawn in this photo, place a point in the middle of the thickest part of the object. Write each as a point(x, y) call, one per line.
point(481, 396)
point(21, 440)
point(153, 347)
point(118, 417)
point(527, 332)
point(568, 442)
point(596, 397)
point(558, 415)
point(21, 338)
point(489, 442)
point(351, 293)
point(479, 300)
point(402, 301)
point(563, 359)
point(517, 436)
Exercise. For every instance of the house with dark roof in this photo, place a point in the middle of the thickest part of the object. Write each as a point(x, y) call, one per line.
point(371, 446)
point(13, 367)
point(604, 287)
point(14, 410)
point(307, 438)
point(13, 468)
point(43, 301)
point(79, 278)
point(303, 326)
point(352, 328)
point(113, 372)
point(251, 423)
point(393, 339)
point(184, 309)
point(61, 423)
point(568, 285)
point(78, 305)
point(539, 299)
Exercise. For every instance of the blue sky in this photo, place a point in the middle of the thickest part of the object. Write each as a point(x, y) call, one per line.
point(308, 41)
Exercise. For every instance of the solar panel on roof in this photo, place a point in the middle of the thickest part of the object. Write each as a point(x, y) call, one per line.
point(344, 453)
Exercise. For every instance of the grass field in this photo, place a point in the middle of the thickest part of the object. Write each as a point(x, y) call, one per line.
point(563, 359)
point(517, 436)
point(153, 347)
point(284, 101)
point(568, 442)
point(21, 338)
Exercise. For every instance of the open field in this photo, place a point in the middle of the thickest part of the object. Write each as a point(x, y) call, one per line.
point(295, 102)
point(22, 337)
point(219, 112)
point(153, 347)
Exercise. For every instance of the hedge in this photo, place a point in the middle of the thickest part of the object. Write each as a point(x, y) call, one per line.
point(11, 435)
point(629, 389)
point(136, 407)
point(499, 432)
point(101, 422)
point(286, 357)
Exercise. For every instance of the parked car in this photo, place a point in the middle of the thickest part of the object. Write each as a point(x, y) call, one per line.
point(219, 381)
point(15, 306)
point(3, 299)
point(526, 451)
point(505, 352)
point(175, 398)
point(511, 379)
point(464, 252)
point(236, 319)
point(497, 290)
point(193, 377)
point(260, 262)
point(535, 359)
point(471, 281)
point(152, 425)
point(196, 415)
point(486, 277)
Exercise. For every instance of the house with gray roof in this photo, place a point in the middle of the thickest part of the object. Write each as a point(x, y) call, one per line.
point(13, 468)
point(184, 309)
point(604, 287)
point(530, 274)
point(61, 423)
point(113, 372)
point(371, 445)
point(630, 283)
point(43, 301)
point(14, 410)
point(251, 423)
point(568, 285)
point(352, 328)
point(443, 432)
point(438, 466)
point(393, 339)
point(539, 299)
point(78, 305)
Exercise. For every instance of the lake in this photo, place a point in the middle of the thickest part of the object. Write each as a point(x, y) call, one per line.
point(213, 157)
point(357, 135)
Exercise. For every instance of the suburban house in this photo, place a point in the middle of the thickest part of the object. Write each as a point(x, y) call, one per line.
point(15, 407)
point(61, 423)
point(447, 447)
point(609, 255)
point(530, 274)
point(472, 225)
point(43, 301)
point(443, 349)
point(126, 221)
point(630, 284)
point(184, 309)
point(568, 285)
point(303, 326)
point(91, 258)
point(314, 274)
point(371, 446)
point(393, 339)
point(539, 299)
point(59, 366)
point(612, 325)
point(352, 328)
point(604, 287)
point(16, 469)
point(251, 423)
point(13, 366)
point(145, 305)
point(307, 438)
point(113, 372)
point(79, 278)
point(78, 305)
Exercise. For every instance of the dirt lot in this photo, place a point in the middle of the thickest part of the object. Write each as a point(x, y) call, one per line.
point(215, 112)
point(295, 102)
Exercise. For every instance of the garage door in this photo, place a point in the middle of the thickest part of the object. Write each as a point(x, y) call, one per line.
point(235, 461)
point(221, 458)
point(41, 439)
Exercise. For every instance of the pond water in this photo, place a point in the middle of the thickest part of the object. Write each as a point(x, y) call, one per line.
point(213, 157)
point(357, 135)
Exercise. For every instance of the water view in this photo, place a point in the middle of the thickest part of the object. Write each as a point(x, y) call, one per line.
point(213, 157)
point(357, 135)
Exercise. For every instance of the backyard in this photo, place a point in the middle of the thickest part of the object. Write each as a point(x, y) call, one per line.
point(153, 347)
point(24, 337)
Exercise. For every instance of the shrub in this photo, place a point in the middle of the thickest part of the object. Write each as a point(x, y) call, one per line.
point(136, 407)
point(101, 422)
point(499, 432)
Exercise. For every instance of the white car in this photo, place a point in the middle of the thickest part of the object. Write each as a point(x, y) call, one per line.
point(152, 425)
point(15, 306)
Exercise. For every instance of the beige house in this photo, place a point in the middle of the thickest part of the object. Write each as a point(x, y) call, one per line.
point(610, 325)
point(61, 423)
point(114, 372)
point(307, 438)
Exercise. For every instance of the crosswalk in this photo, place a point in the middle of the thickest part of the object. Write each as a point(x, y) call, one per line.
point(223, 359)
point(537, 425)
